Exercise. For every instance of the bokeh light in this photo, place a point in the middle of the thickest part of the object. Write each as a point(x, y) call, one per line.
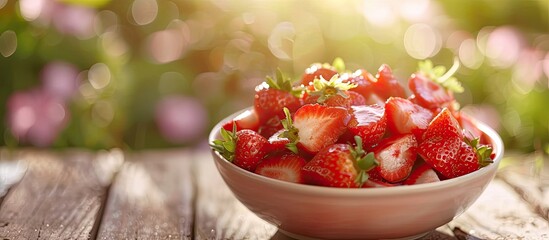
point(148, 73)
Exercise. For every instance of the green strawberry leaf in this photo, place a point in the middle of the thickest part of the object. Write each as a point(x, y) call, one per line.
point(284, 83)
point(290, 132)
point(339, 65)
point(440, 76)
point(227, 144)
point(327, 89)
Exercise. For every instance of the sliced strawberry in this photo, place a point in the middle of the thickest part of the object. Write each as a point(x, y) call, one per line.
point(357, 99)
point(316, 126)
point(387, 85)
point(403, 117)
point(246, 120)
point(396, 156)
point(441, 143)
point(422, 174)
point(277, 142)
point(271, 126)
point(285, 166)
point(369, 123)
point(376, 181)
point(428, 93)
point(470, 129)
point(272, 96)
point(244, 148)
point(433, 86)
point(339, 165)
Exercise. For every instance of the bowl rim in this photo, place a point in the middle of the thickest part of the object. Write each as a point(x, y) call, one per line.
point(494, 137)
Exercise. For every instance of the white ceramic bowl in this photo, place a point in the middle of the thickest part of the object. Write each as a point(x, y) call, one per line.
point(305, 211)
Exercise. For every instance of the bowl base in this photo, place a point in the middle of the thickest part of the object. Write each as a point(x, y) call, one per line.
point(301, 237)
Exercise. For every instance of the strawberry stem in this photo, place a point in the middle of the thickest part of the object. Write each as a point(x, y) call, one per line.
point(364, 162)
point(326, 89)
point(227, 144)
point(284, 83)
point(291, 132)
point(439, 75)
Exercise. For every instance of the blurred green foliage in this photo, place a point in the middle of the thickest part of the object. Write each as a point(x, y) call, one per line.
point(130, 56)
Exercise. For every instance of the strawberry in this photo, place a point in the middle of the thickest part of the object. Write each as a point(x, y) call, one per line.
point(325, 71)
point(246, 120)
point(314, 127)
point(364, 82)
point(272, 96)
point(285, 166)
point(339, 165)
point(357, 99)
point(422, 174)
point(403, 117)
point(387, 85)
point(446, 150)
point(470, 129)
point(396, 156)
point(471, 157)
point(277, 142)
point(433, 87)
point(331, 92)
point(268, 128)
point(369, 123)
point(244, 148)
point(376, 181)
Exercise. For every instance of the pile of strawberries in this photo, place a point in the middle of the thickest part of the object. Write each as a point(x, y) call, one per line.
point(351, 129)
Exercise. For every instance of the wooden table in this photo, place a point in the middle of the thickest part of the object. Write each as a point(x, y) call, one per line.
point(178, 194)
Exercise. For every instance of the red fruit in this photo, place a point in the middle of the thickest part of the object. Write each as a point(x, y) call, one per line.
point(470, 129)
point(369, 123)
point(317, 71)
point(441, 143)
point(376, 181)
point(269, 102)
point(356, 99)
point(273, 95)
point(250, 148)
point(333, 92)
point(277, 142)
point(403, 117)
point(284, 166)
point(422, 174)
point(244, 148)
point(246, 120)
point(338, 165)
point(428, 93)
point(270, 127)
point(387, 85)
point(318, 126)
point(396, 156)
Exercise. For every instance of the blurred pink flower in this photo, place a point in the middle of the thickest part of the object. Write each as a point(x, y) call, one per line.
point(67, 18)
point(181, 119)
point(60, 79)
point(36, 117)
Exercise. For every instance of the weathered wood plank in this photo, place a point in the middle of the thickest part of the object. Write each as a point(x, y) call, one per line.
point(499, 213)
point(60, 196)
point(151, 198)
point(12, 170)
point(219, 215)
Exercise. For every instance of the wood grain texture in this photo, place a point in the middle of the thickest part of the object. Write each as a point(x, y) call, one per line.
point(60, 196)
point(500, 213)
point(219, 215)
point(151, 198)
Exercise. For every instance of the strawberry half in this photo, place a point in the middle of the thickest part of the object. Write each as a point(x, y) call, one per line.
point(315, 126)
point(387, 85)
point(246, 120)
point(403, 117)
point(396, 156)
point(285, 166)
point(442, 143)
point(422, 174)
point(244, 148)
point(339, 165)
point(433, 87)
point(369, 123)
